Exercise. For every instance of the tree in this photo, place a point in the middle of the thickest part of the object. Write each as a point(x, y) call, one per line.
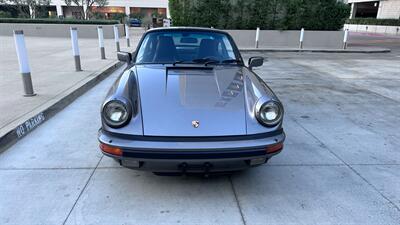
point(266, 14)
point(33, 6)
point(4, 14)
point(86, 5)
point(315, 14)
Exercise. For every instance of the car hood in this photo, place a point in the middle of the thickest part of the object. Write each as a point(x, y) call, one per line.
point(174, 99)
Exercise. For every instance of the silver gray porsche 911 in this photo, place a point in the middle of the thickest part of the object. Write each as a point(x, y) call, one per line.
point(187, 103)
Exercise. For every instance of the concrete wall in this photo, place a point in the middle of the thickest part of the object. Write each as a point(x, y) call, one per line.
point(243, 38)
point(288, 39)
point(392, 30)
point(389, 9)
point(58, 30)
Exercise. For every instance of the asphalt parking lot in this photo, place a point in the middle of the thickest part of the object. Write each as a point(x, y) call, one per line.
point(340, 164)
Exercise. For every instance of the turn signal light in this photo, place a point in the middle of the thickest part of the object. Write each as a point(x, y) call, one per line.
point(110, 149)
point(274, 148)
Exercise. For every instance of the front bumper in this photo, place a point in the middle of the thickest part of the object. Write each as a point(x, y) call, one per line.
point(192, 154)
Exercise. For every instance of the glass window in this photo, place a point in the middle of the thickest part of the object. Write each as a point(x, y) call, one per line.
point(186, 47)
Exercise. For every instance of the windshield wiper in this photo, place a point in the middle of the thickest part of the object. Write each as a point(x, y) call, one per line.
point(231, 61)
point(180, 62)
point(211, 62)
point(206, 61)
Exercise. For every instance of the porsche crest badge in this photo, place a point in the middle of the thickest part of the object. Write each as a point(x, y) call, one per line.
point(195, 123)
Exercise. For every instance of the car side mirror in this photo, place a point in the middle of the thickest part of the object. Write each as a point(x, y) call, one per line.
point(255, 62)
point(124, 56)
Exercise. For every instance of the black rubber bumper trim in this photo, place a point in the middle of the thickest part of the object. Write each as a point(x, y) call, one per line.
point(194, 139)
point(193, 155)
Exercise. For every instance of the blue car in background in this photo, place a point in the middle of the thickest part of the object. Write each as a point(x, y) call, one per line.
point(133, 22)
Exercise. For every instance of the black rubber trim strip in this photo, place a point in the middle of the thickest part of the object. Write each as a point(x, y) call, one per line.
point(194, 139)
point(194, 155)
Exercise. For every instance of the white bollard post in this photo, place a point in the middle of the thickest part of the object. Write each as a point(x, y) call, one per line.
point(75, 48)
point(128, 43)
point(301, 38)
point(257, 36)
point(116, 37)
point(100, 34)
point(24, 68)
point(346, 35)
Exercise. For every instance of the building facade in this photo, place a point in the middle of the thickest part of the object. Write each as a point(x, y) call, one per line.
point(146, 8)
point(382, 9)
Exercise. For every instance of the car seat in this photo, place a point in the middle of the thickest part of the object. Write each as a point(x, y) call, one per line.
point(208, 48)
point(166, 50)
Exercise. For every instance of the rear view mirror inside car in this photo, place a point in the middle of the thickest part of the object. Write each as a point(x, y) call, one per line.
point(188, 40)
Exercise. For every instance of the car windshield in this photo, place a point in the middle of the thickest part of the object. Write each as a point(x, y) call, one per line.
point(177, 46)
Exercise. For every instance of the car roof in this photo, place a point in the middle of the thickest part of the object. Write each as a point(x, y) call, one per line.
point(186, 29)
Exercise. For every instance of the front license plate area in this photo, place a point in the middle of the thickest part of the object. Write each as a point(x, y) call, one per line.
point(198, 167)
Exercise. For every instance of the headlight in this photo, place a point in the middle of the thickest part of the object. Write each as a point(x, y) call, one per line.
point(269, 113)
point(116, 113)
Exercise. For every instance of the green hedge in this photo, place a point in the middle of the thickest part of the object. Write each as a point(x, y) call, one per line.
point(271, 14)
point(57, 21)
point(374, 21)
point(4, 14)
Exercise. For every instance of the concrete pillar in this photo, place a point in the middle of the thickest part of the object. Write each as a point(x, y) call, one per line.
point(75, 48)
point(353, 10)
point(84, 10)
point(379, 14)
point(24, 67)
point(101, 42)
point(301, 38)
point(116, 37)
point(257, 36)
point(59, 10)
point(127, 10)
point(31, 12)
point(345, 37)
point(128, 42)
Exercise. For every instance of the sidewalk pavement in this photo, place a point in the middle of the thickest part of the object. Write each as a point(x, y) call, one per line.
point(340, 163)
point(366, 40)
point(320, 50)
point(53, 73)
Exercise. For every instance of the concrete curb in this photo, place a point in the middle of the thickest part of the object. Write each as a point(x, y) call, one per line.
point(364, 50)
point(18, 129)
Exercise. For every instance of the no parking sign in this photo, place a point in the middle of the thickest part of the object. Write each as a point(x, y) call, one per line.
point(167, 22)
